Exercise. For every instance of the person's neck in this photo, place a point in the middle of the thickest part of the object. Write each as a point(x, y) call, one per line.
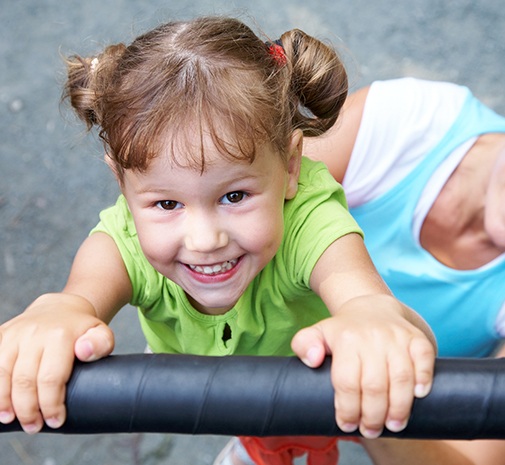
point(453, 231)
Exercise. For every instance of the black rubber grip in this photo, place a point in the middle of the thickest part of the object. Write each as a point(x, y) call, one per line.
point(264, 396)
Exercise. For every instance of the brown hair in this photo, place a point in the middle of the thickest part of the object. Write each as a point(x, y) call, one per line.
point(210, 76)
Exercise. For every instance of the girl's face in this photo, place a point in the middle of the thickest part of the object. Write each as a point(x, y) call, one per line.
point(212, 232)
point(494, 216)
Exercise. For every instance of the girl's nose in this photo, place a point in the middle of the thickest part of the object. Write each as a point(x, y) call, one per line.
point(205, 235)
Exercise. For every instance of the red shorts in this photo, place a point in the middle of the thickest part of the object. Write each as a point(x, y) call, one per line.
point(282, 450)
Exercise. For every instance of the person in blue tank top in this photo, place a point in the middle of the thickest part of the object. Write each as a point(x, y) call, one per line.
point(423, 167)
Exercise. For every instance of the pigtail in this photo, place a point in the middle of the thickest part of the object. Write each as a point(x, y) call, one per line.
point(87, 79)
point(318, 82)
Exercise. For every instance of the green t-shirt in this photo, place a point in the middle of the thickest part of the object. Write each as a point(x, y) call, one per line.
point(276, 304)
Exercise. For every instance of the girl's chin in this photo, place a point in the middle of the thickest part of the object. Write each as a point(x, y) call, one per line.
point(211, 308)
point(215, 303)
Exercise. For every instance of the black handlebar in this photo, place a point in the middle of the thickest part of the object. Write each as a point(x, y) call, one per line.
point(264, 396)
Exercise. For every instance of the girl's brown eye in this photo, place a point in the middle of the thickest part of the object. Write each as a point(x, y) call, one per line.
point(168, 204)
point(234, 197)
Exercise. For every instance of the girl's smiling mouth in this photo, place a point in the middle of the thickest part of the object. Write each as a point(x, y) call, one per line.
point(214, 269)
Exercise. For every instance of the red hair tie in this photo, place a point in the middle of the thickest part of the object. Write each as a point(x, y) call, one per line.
point(276, 51)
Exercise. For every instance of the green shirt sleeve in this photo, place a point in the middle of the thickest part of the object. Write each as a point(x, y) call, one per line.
point(315, 218)
point(117, 222)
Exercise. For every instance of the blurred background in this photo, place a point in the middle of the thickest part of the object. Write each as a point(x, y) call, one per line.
point(53, 182)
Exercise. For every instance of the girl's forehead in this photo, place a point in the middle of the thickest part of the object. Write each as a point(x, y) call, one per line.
point(198, 147)
point(216, 156)
point(220, 173)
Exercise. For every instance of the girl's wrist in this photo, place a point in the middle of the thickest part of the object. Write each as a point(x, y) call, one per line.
point(62, 300)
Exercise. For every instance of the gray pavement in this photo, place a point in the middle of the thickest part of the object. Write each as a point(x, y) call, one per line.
point(53, 182)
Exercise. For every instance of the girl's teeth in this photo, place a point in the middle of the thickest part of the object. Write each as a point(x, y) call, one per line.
point(214, 269)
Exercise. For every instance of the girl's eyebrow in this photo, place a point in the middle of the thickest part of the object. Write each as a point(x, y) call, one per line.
point(147, 189)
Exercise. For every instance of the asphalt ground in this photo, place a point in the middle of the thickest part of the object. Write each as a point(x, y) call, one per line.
point(53, 181)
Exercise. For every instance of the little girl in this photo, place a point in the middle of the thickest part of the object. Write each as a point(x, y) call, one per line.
point(224, 237)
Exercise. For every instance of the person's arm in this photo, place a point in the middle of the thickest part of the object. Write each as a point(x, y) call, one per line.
point(334, 148)
point(390, 451)
point(383, 352)
point(37, 348)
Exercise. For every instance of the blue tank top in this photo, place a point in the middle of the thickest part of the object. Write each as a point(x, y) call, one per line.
point(460, 306)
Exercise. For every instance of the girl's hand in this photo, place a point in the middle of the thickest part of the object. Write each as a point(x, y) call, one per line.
point(37, 350)
point(380, 362)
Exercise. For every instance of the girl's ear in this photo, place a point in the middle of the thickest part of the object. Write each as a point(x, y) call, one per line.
point(294, 163)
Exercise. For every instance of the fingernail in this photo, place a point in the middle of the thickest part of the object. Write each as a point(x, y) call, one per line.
point(312, 356)
point(6, 417)
point(88, 354)
point(396, 426)
point(371, 433)
point(348, 427)
point(54, 422)
point(421, 390)
point(31, 428)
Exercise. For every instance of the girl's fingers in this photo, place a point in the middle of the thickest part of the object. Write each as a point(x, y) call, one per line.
point(375, 377)
point(401, 390)
point(7, 361)
point(346, 379)
point(376, 389)
point(423, 356)
point(374, 398)
point(53, 374)
point(24, 392)
point(97, 342)
point(309, 345)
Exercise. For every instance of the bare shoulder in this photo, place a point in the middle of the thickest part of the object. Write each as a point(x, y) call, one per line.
point(334, 148)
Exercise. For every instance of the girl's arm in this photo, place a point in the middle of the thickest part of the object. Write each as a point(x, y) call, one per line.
point(99, 275)
point(383, 352)
point(37, 347)
point(334, 148)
